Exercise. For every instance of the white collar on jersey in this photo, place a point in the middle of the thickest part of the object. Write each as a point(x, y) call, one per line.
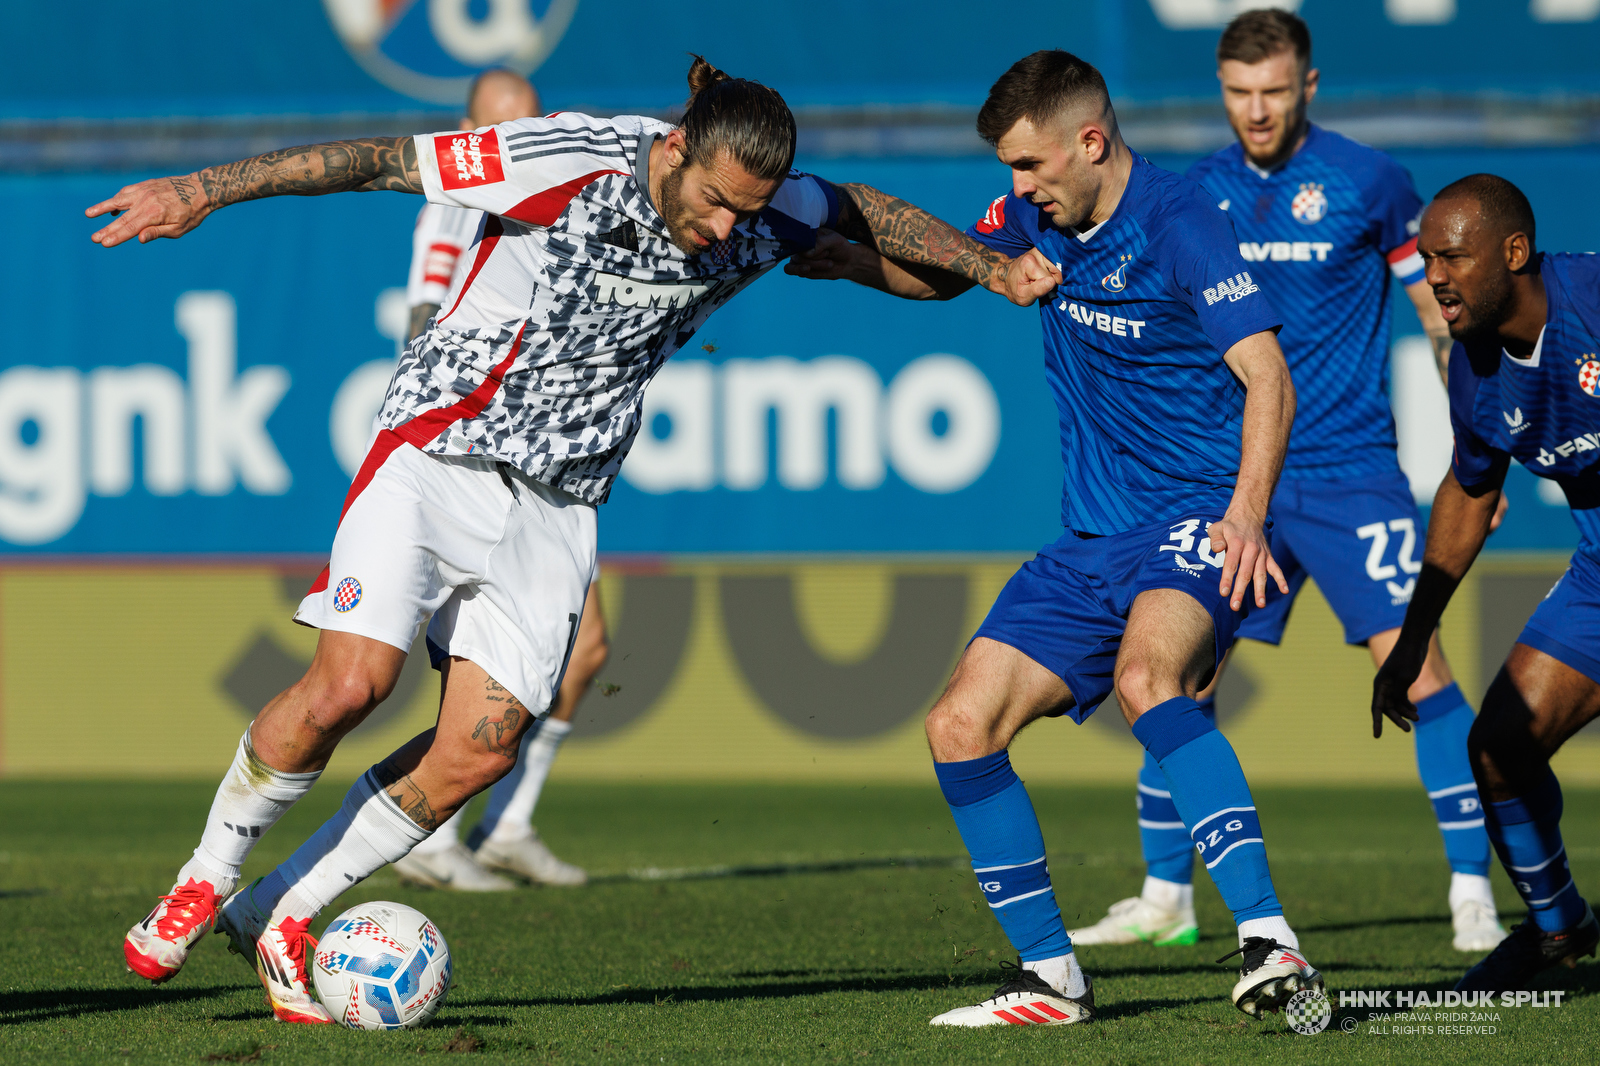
point(1084, 235)
point(1532, 360)
point(1262, 172)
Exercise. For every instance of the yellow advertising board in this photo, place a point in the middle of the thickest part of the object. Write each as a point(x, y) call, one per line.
point(721, 668)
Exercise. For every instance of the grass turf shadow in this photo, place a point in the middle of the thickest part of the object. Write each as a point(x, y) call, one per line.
point(18, 1008)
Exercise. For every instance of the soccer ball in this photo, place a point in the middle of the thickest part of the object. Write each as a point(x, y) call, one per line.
point(382, 966)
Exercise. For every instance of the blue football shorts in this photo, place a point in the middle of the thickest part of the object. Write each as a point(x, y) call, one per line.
point(1066, 609)
point(1566, 624)
point(1360, 539)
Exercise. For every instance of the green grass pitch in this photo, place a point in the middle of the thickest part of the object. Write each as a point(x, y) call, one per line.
point(833, 965)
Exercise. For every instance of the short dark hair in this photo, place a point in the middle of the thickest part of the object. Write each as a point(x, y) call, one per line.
point(744, 118)
point(1503, 205)
point(1257, 35)
point(1041, 87)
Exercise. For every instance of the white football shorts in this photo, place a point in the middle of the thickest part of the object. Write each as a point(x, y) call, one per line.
point(499, 562)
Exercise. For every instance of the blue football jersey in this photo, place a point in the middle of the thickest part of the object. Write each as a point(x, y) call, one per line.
point(1543, 411)
point(1133, 340)
point(1322, 234)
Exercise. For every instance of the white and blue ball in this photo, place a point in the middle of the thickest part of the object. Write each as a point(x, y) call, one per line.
point(382, 966)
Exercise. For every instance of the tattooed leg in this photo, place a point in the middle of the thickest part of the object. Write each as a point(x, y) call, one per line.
point(499, 732)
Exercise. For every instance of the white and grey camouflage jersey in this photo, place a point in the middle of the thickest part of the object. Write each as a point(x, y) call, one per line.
point(572, 297)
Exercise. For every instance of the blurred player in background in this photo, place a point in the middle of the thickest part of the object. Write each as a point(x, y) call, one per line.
point(1323, 223)
point(608, 242)
point(1524, 385)
point(504, 839)
point(1175, 405)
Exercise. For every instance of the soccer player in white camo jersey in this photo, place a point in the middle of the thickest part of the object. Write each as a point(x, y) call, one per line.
point(608, 243)
point(504, 840)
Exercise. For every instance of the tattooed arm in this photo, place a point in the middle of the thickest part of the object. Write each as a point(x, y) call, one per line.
point(902, 231)
point(171, 207)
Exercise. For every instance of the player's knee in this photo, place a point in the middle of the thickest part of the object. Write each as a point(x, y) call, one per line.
point(1139, 688)
point(342, 697)
point(949, 732)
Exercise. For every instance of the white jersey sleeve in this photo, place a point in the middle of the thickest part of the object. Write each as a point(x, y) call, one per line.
point(527, 170)
point(441, 235)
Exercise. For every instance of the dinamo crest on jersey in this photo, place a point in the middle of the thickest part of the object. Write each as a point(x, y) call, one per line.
point(1117, 280)
point(432, 49)
point(1310, 204)
point(1589, 375)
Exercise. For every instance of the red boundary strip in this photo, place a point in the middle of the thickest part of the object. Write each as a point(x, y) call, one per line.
point(493, 230)
point(543, 208)
point(418, 432)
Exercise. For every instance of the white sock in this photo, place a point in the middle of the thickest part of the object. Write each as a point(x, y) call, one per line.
point(250, 800)
point(1168, 895)
point(369, 832)
point(514, 796)
point(1274, 928)
point(445, 837)
point(1062, 974)
point(1470, 886)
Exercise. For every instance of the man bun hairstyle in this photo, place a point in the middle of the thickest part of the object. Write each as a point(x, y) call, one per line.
point(1258, 35)
point(743, 118)
point(1502, 204)
point(1043, 87)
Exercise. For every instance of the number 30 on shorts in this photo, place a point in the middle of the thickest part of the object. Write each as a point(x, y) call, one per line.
point(1183, 540)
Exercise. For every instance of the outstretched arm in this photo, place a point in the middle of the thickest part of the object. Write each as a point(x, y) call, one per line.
point(1457, 527)
point(836, 259)
point(1268, 413)
point(905, 232)
point(171, 207)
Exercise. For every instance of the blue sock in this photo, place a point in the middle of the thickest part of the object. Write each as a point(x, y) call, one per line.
point(1526, 832)
point(1443, 721)
point(1168, 851)
point(1213, 798)
point(995, 816)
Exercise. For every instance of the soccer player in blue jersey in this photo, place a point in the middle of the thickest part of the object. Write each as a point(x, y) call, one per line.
point(1524, 385)
point(1323, 223)
point(1175, 407)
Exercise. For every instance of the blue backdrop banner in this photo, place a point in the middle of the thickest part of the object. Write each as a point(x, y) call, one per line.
point(107, 58)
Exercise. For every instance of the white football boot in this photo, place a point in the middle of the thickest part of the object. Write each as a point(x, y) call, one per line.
point(1026, 999)
point(158, 947)
point(1270, 975)
point(1136, 920)
point(531, 859)
point(454, 868)
point(1476, 925)
point(281, 954)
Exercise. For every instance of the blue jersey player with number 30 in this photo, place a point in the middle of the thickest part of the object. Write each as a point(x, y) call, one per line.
point(1175, 407)
point(1324, 223)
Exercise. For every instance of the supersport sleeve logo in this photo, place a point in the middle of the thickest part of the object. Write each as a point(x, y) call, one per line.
point(467, 159)
point(993, 218)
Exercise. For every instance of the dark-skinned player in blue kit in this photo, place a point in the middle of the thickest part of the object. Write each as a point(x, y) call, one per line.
point(1324, 223)
point(1175, 405)
point(1524, 385)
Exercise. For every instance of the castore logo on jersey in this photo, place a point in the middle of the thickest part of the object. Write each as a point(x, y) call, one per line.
point(432, 49)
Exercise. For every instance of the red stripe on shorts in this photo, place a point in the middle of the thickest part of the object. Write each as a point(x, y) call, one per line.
point(418, 432)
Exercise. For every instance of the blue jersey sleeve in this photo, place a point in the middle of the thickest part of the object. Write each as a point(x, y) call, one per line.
point(1004, 226)
point(1473, 460)
point(1395, 211)
point(1204, 269)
